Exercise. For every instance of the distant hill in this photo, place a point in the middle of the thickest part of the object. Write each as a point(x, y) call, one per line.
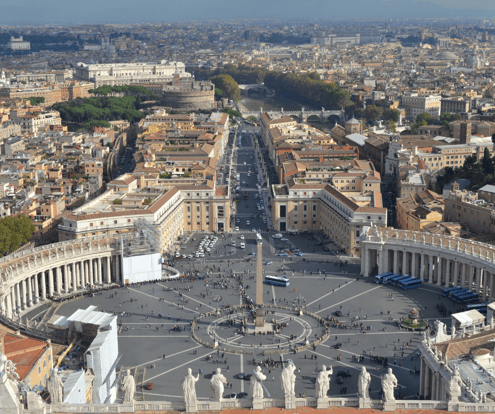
point(128, 11)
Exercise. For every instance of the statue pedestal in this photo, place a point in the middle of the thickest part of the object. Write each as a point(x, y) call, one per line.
point(454, 405)
point(365, 403)
point(290, 403)
point(9, 402)
point(215, 405)
point(389, 406)
point(191, 408)
point(257, 403)
point(322, 403)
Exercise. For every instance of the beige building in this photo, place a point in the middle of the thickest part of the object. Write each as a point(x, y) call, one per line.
point(470, 210)
point(342, 216)
point(416, 104)
point(172, 207)
point(118, 74)
point(416, 211)
point(454, 105)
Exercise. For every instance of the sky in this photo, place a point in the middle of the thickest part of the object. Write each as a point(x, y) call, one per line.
point(14, 12)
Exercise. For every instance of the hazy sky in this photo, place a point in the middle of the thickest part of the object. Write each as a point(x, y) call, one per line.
point(128, 11)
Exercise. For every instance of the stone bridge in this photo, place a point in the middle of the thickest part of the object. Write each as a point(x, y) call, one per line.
point(301, 116)
point(443, 261)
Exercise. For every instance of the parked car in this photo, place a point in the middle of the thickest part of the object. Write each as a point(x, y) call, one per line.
point(338, 313)
point(277, 236)
point(338, 346)
point(344, 374)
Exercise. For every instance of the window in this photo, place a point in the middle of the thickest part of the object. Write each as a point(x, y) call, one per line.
point(50, 357)
point(305, 207)
point(198, 223)
point(39, 370)
point(314, 207)
point(90, 224)
point(198, 209)
point(207, 209)
point(101, 223)
point(115, 222)
point(128, 220)
point(188, 209)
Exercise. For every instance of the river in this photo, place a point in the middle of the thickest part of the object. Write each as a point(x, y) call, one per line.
point(254, 102)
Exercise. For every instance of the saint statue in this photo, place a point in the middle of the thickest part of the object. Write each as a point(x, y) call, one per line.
point(389, 382)
point(455, 384)
point(322, 384)
point(288, 380)
point(217, 385)
point(129, 387)
point(364, 381)
point(55, 386)
point(189, 388)
point(256, 388)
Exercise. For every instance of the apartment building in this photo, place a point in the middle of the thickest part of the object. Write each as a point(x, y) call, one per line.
point(470, 210)
point(416, 211)
point(341, 215)
point(34, 122)
point(455, 105)
point(415, 104)
point(118, 74)
point(173, 207)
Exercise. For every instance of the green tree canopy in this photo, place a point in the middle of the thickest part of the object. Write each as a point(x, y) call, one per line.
point(228, 86)
point(391, 114)
point(447, 118)
point(373, 112)
point(14, 232)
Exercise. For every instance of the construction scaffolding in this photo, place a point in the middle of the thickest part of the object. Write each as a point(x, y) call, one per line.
point(145, 240)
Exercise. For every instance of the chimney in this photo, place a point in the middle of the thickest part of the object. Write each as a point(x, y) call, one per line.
point(465, 135)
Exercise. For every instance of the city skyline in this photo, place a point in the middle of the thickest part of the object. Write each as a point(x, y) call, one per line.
point(110, 11)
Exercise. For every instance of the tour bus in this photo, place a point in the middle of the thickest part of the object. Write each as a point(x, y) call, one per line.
point(277, 281)
point(391, 280)
point(465, 297)
point(386, 280)
point(469, 300)
point(446, 292)
point(480, 307)
point(378, 278)
point(404, 279)
point(412, 283)
point(397, 280)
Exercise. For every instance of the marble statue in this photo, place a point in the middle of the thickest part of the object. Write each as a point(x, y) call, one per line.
point(389, 382)
point(288, 380)
point(256, 387)
point(453, 331)
point(129, 387)
point(364, 381)
point(217, 385)
point(189, 388)
point(455, 384)
point(322, 384)
point(55, 386)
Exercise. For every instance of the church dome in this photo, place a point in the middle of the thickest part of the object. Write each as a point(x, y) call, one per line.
point(446, 55)
point(353, 121)
point(474, 62)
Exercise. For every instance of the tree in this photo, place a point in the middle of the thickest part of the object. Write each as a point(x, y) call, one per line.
point(228, 85)
point(373, 112)
point(487, 161)
point(446, 118)
point(425, 119)
point(391, 114)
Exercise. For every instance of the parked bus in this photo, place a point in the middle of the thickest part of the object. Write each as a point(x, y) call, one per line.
point(396, 281)
point(476, 306)
point(277, 281)
point(446, 292)
point(378, 278)
point(410, 284)
point(386, 280)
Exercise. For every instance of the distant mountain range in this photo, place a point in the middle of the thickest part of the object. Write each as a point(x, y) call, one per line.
point(131, 11)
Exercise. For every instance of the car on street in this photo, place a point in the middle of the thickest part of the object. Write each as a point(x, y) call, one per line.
point(231, 396)
point(242, 237)
point(253, 253)
point(344, 374)
point(300, 254)
point(338, 313)
point(340, 380)
point(232, 250)
point(232, 243)
point(243, 246)
point(242, 395)
point(248, 223)
point(283, 254)
point(269, 262)
point(254, 230)
point(284, 239)
point(241, 375)
point(277, 236)
point(184, 246)
point(338, 346)
point(236, 228)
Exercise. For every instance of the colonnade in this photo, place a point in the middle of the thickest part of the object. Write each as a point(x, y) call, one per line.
point(62, 278)
point(440, 261)
point(432, 384)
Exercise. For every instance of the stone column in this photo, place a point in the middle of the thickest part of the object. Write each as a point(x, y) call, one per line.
point(430, 275)
point(447, 273)
point(455, 279)
point(404, 262)
point(50, 282)
point(479, 275)
point(109, 273)
point(386, 265)
point(439, 270)
point(75, 276)
point(471, 276)
point(24, 298)
point(90, 266)
point(43, 285)
point(29, 291)
point(422, 269)
point(66, 279)
point(413, 264)
point(366, 265)
point(396, 262)
point(98, 273)
point(36, 289)
point(492, 286)
point(10, 306)
point(486, 280)
point(18, 296)
point(463, 275)
point(58, 278)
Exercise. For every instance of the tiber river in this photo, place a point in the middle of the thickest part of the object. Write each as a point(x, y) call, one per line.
point(254, 102)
